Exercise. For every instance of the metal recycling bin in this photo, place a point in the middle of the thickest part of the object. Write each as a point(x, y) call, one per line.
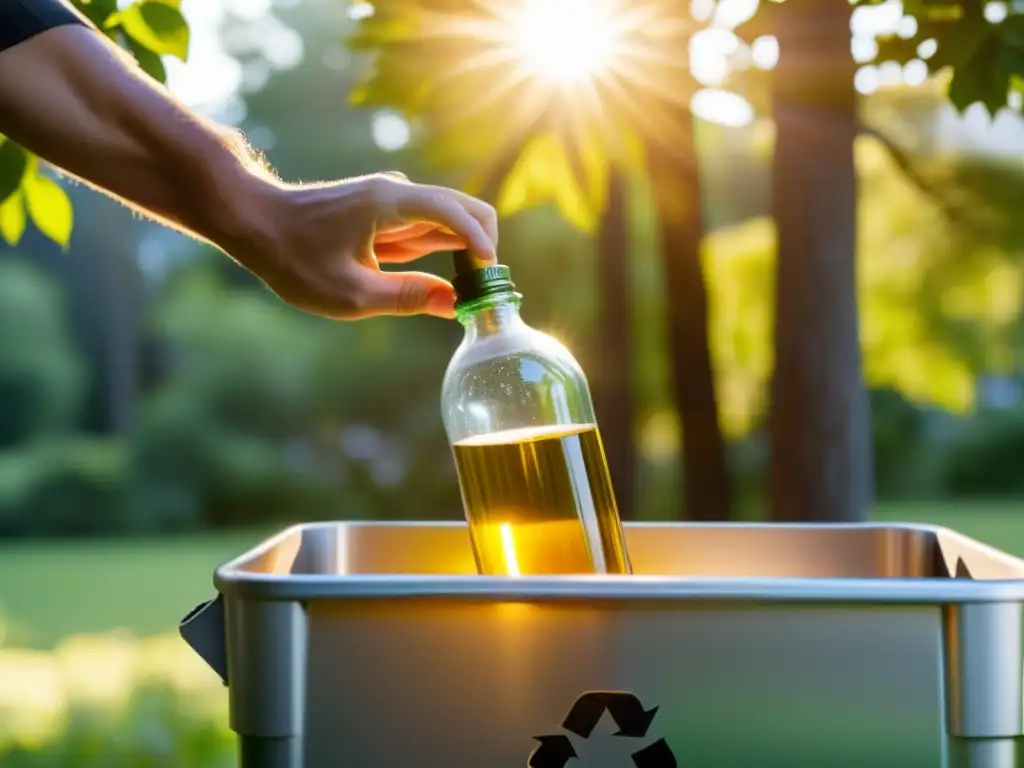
point(826, 646)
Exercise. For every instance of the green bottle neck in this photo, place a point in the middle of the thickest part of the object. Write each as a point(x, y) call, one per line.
point(489, 315)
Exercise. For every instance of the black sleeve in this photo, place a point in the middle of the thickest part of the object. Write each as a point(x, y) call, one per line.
point(23, 19)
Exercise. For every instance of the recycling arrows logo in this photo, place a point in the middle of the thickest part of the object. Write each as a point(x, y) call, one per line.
point(629, 715)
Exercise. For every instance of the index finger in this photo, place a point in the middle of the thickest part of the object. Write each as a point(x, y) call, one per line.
point(482, 212)
point(448, 208)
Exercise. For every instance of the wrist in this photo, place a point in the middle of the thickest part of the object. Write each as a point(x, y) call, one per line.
point(244, 216)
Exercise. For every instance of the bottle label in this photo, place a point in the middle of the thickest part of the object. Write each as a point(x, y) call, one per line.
point(492, 273)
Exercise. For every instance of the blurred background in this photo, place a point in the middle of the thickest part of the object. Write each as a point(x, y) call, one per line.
point(161, 411)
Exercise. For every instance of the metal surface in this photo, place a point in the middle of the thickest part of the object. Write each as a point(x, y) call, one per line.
point(375, 645)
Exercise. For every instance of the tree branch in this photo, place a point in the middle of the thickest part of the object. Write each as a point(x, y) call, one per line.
point(905, 163)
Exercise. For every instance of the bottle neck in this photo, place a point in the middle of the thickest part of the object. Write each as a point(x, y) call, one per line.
point(490, 316)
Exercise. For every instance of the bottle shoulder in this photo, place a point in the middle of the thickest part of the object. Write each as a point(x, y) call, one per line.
point(513, 381)
point(535, 350)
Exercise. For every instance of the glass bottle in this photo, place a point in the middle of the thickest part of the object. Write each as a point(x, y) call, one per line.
point(518, 414)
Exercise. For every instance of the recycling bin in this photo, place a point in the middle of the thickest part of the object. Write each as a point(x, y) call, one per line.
point(846, 646)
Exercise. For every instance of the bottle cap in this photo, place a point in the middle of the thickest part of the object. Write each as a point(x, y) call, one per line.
point(472, 282)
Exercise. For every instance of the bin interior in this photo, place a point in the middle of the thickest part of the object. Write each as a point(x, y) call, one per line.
point(670, 549)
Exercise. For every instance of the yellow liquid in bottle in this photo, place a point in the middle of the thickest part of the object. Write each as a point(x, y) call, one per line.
point(540, 501)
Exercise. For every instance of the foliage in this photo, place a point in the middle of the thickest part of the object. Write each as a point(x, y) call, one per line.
point(63, 487)
point(262, 413)
point(909, 453)
point(454, 68)
point(938, 299)
point(904, 459)
point(41, 374)
point(149, 29)
point(112, 701)
point(156, 731)
point(984, 60)
point(47, 474)
point(271, 413)
point(984, 458)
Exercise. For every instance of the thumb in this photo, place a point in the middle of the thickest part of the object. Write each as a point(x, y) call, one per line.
point(407, 293)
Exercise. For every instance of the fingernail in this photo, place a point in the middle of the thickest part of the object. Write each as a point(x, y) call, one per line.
point(441, 301)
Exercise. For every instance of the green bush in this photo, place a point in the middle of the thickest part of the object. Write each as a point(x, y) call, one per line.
point(986, 456)
point(903, 454)
point(904, 458)
point(42, 377)
point(156, 730)
point(64, 486)
point(268, 414)
point(748, 474)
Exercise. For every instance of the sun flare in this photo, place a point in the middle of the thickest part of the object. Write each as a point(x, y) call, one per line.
point(564, 41)
point(514, 78)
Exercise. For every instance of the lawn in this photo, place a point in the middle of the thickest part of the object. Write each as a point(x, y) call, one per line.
point(51, 590)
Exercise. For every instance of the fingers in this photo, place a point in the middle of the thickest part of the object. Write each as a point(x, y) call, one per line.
point(475, 222)
point(482, 212)
point(403, 293)
point(417, 247)
point(404, 232)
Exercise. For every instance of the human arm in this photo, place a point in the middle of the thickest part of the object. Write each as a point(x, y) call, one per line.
point(79, 102)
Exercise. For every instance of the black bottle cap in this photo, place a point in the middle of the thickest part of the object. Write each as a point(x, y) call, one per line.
point(472, 282)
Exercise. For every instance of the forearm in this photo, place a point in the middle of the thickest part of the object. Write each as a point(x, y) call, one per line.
point(77, 101)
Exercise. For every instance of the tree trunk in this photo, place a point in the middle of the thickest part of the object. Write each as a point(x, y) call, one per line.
point(613, 385)
point(675, 176)
point(819, 416)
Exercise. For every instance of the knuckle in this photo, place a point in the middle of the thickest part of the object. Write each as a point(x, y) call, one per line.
point(490, 218)
point(353, 298)
point(379, 187)
point(461, 217)
point(408, 299)
point(341, 296)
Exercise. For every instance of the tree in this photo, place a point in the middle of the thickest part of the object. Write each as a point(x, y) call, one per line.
point(819, 418)
point(148, 29)
point(613, 393)
point(48, 474)
point(676, 182)
point(938, 296)
point(264, 419)
point(821, 463)
point(489, 87)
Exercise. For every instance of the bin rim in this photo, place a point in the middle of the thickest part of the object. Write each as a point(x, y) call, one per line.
point(234, 581)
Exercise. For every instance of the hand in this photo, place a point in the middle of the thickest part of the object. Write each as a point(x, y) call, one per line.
point(320, 247)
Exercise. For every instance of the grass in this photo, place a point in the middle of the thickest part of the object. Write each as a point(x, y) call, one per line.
point(50, 590)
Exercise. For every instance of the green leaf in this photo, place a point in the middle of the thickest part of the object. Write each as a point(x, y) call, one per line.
point(1011, 32)
point(97, 11)
point(155, 25)
point(983, 79)
point(1011, 39)
point(12, 218)
point(13, 165)
point(543, 174)
point(150, 62)
point(50, 208)
point(959, 42)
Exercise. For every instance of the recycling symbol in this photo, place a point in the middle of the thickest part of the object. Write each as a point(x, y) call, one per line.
point(629, 715)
